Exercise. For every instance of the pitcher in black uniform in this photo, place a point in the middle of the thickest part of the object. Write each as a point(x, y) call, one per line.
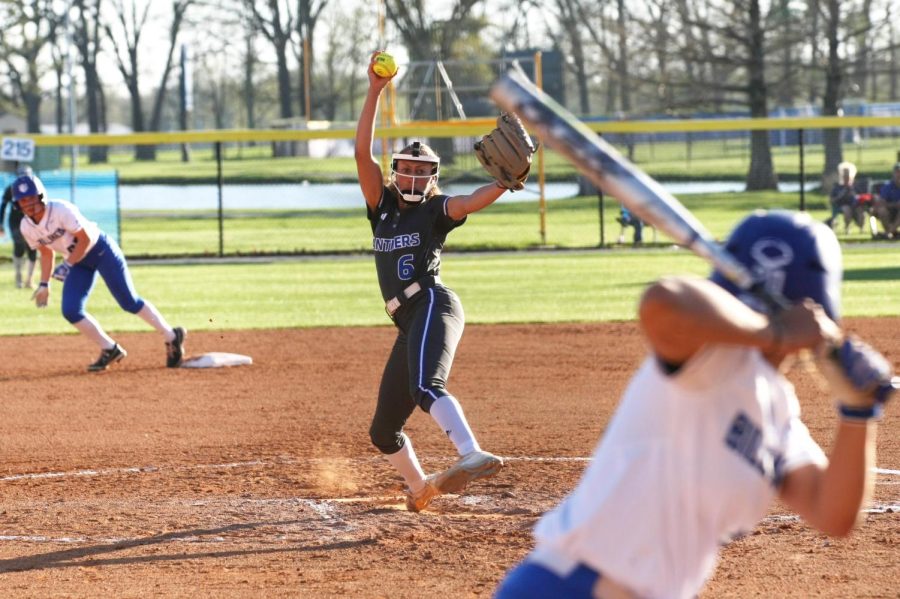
point(20, 248)
point(410, 220)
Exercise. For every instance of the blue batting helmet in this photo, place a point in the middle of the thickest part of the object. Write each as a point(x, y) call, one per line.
point(27, 185)
point(791, 256)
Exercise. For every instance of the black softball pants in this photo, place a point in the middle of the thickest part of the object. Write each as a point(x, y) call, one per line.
point(429, 329)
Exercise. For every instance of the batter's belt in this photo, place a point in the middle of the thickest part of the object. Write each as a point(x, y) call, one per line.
point(392, 305)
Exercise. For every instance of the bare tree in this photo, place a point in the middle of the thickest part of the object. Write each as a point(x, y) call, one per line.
point(275, 21)
point(622, 62)
point(737, 31)
point(359, 40)
point(787, 36)
point(249, 63)
point(602, 30)
point(426, 37)
point(659, 38)
point(762, 170)
point(844, 27)
point(308, 13)
point(86, 36)
point(131, 20)
point(862, 40)
point(236, 22)
point(341, 61)
point(217, 87)
point(571, 17)
point(834, 77)
point(27, 30)
point(894, 49)
point(813, 12)
point(59, 70)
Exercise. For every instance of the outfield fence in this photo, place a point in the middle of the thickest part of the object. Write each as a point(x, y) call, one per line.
point(235, 192)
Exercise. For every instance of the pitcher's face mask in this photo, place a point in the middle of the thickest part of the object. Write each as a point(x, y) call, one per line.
point(414, 175)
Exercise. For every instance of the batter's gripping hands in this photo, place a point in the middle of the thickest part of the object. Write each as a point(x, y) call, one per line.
point(62, 271)
point(506, 152)
point(860, 377)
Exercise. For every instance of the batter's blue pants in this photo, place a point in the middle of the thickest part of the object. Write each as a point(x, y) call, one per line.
point(107, 259)
point(533, 581)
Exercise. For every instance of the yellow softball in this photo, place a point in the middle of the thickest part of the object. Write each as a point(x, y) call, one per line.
point(384, 65)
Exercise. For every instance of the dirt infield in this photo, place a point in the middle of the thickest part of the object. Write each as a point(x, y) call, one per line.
point(260, 480)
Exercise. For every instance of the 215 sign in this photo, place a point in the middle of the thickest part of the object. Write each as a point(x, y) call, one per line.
point(19, 149)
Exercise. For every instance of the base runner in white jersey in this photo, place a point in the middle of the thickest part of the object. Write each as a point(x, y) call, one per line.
point(708, 431)
point(52, 226)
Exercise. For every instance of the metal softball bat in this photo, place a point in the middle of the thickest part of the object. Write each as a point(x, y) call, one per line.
point(611, 172)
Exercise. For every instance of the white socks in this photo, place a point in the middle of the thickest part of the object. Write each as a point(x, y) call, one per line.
point(91, 329)
point(156, 320)
point(406, 462)
point(447, 412)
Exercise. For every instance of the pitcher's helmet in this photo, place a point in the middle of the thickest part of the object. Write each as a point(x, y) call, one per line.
point(416, 152)
point(791, 256)
point(28, 185)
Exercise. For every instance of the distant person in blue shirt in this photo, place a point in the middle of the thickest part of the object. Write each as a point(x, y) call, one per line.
point(627, 219)
point(887, 204)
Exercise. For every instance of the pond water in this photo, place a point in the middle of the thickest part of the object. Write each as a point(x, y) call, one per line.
point(323, 196)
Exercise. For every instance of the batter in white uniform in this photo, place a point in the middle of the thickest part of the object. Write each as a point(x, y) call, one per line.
point(708, 431)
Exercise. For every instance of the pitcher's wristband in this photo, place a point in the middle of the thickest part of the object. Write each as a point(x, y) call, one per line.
point(43, 284)
point(856, 414)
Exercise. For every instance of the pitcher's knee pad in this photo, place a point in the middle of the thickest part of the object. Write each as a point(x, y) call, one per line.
point(386, 441)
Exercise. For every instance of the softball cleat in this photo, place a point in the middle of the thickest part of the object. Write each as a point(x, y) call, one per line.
point(416, 502)
point(470, 467)
point(108, 357)
point(175, 348)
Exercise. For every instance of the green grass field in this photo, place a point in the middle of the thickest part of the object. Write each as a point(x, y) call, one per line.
point(563, 286)
point(571, 223)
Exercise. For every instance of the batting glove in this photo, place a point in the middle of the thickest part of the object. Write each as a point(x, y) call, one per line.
point(62, 271)
point(860, 377)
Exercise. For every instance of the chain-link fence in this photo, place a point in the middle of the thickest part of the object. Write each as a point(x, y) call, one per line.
point(239, 195)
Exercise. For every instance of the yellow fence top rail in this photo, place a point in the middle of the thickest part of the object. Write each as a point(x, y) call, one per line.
point(455, 128)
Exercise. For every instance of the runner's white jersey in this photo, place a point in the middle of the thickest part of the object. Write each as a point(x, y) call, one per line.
point(57, 227)
point(688, 462)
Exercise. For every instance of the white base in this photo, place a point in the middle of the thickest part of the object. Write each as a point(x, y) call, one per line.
point(216, 360)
